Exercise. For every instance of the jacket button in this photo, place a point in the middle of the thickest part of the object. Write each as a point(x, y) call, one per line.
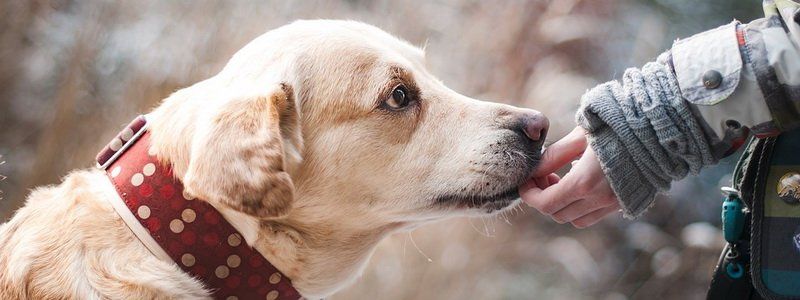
point(712, 79)
point(733, 124)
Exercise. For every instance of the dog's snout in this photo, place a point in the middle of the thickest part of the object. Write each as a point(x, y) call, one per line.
point(530, 123)
point(535, 125)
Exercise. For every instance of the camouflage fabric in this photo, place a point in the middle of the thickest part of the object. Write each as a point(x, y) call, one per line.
point(776, 220)
point(772, 51)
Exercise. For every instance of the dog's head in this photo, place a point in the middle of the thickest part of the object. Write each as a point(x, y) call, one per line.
point(344, 119)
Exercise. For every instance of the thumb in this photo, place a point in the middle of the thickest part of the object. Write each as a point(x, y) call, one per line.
point(561, 152)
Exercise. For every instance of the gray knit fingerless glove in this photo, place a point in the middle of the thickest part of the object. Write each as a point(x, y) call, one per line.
point(644, 134)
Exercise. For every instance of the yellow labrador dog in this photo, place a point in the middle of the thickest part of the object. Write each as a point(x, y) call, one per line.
point(317, 140)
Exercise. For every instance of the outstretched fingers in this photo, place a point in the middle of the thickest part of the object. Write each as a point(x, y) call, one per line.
point(561, 152)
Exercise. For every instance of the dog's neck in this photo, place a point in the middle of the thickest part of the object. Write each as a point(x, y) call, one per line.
point(312, 245)
point(320, 255)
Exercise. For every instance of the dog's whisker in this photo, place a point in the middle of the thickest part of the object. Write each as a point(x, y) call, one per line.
point(504, 216)
point(475, 228)
point(411, 237)
point(405, 241)
point(486, 227)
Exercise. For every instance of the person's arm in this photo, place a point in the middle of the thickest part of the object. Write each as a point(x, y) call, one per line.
point(675, 116)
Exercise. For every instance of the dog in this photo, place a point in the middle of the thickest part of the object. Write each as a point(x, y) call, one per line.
point(316, 140)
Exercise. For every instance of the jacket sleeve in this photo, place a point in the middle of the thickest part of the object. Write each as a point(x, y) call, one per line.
point(744, 75)
point(694, 105)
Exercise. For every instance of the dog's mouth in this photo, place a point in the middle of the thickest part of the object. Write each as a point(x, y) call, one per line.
point(498, 189)
point(488, 204)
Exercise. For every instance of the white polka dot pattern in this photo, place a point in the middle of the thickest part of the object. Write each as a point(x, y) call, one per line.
point(234, 261)
point(149, 169)
point(272, 295)
point(234, 240)
point(126, 134)
point(115, 171)
point(222, 272)
point(192, 233)
point(137, 179)
point(115, 145)
point(188, 260)
point(143, 212)
point(275, 278)
point(188, 215)
point(176, 226)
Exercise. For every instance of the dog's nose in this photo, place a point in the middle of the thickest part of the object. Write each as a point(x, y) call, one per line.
point(534, 124)
point(530, 123)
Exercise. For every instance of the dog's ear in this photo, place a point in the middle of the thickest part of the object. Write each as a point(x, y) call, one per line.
point(239, 154)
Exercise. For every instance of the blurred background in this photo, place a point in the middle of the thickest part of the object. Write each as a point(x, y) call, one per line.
point(73, 72)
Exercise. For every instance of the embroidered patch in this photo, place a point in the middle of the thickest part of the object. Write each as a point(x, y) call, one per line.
point(789, 188)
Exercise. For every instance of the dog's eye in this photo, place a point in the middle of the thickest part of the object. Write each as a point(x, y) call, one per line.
point(399, 98)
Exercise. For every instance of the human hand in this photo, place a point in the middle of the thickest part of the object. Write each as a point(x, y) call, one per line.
point(583, 197)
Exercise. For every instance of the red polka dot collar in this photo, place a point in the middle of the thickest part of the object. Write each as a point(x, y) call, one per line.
point(176, 227)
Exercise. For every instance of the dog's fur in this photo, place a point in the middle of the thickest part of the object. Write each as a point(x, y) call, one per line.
point(293, 143)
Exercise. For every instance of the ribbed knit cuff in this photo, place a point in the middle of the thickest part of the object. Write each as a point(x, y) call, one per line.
point(634, 193)
point(644, 135)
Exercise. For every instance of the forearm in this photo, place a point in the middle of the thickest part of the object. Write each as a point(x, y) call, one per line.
point(644, 134)
point(693, 106)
